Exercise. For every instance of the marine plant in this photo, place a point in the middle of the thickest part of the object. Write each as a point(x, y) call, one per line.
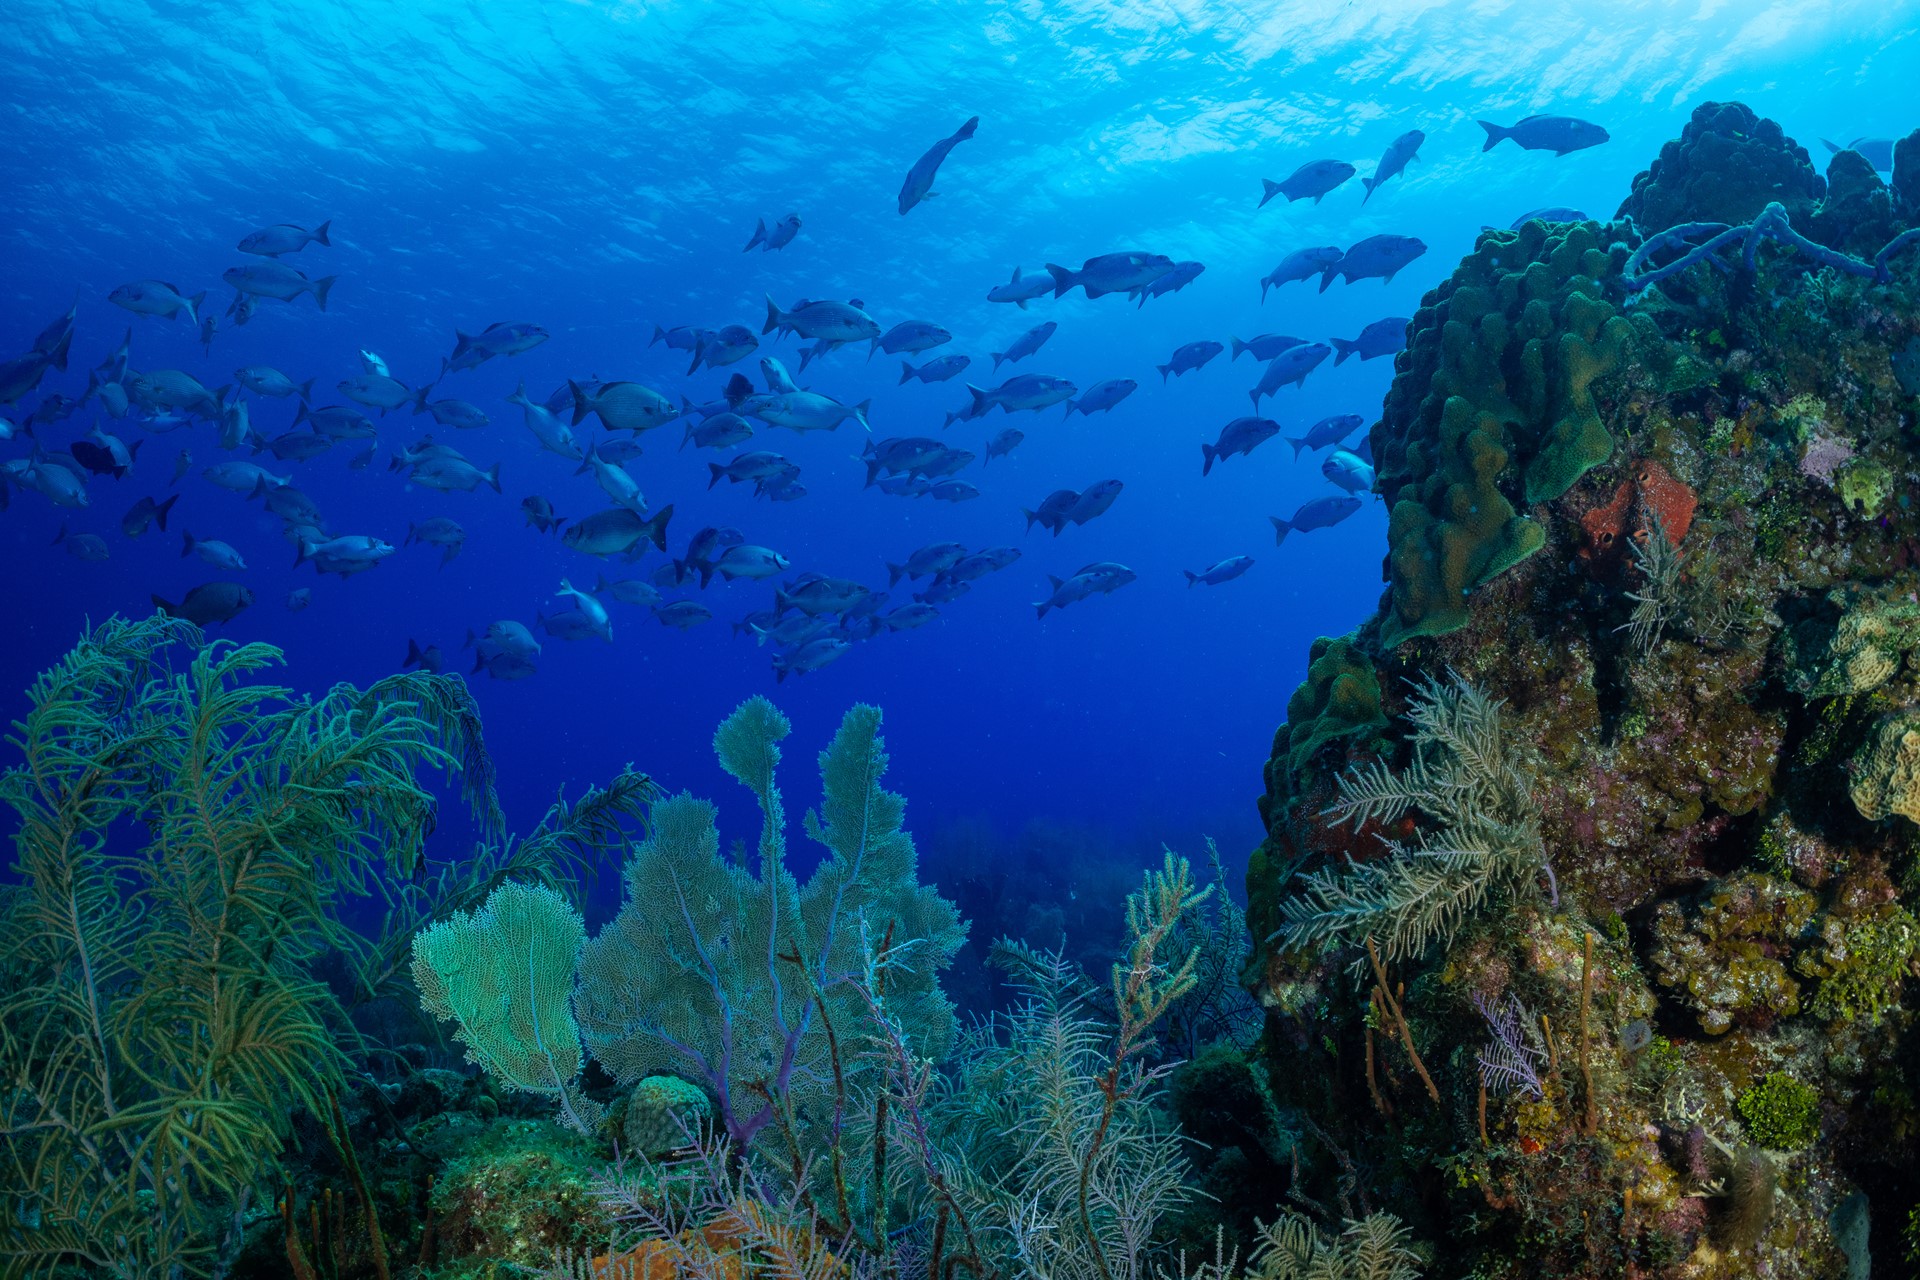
point(186, 834)
point(1484, 840)
point(1782, 1113)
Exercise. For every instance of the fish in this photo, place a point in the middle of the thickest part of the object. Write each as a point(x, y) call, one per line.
point(1026, 344)
point(208, 603)
point(342, 422)
point(504, 637)
point(616, 483)
point(157, 298)
point(721, 431)
point(344, 555)
point(236, 426)
point(1242, 435)
point(20, 376)
point(1052, 511)
point(728, 344)
point(47, 476)
point(966, 413)
point(209, 325)
point(554, 435)
point(1290, 366)
point(1110, 273)
point(1313, 179)
point(935, 557)
point(1094, 501)
point(1321, 513)
point(1330, 430)
point(105, 455)
point(428, 659)
point(747, 561)
point(569, 625)
point(1003, 444)
point(790, 632)
point(1024, 391)
point(277, 280)
point(1264, 346)
point(243, 477)
point(1348, 471)
point(145, 513)
point(909, 337)
point(1225, 571)
point(173, 389)
point(1377, 257)
point(471, 350)
point(540, 513)
point(371, 363)
point(617, 531)
point(938, 369)
point(218, 554)
point(1381, 338)
point(978, 565)
point(779, 238)
point(265, 380)
point(622, 406)
point(682, 337)
point(361, 460)
point(783, 486)
point(114, 367)
point(818, 594)
point(82, 546)
point(290, 505)
point(376, 391)
point(1363, 450)
point(1102, 396)
point(899, 454)
point(1301, 264)
point(683, 614)
point(1558, 134)
point(54, 341)
point(757, 465)
point(909, 616)
point(438, 531)
point(1102, 578)
point(591, 609)
point(1194, 355)
point(1021, 290)
point(618, 452)
point(1179, 277)
point(834, 321)
point(703, 548)
point(504, 666)
point(283, 237)
point(299, 598)
point(804, 411)
point(454, 475)
point(241, 308)
point(815, 654)
point(461, 415)
point(1549, 213)
point(1877, 152)
point(629, 591)
point(113, 398)
point(777, 378)
point(919, 181)
point(1400, 152)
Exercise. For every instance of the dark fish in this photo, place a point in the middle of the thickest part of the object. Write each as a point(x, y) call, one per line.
point(779, 238)
point(1103, 396)
point(158, 298)
point(939, 369)
point(82, 546)
point(1265, 346)
point(1321, 513)
point(1026, 344)
point(144, 513)
point(265, 380)
point(1348, 471)
point(1025, 391)
point(1377, 257)
point(1182, 275)
point(1551, 213)
point(1110, 273)
point(1313, 179)
point(427, 659)
point(540, 513)
point(919, 182)
point(1558, 134)
point(1301, 264)
point(1021, 290)
point(283, 237)
point(1877, 152)
point(617, 531)
point(1400, 151)
point(1003, 444)
point(299, 598)
point(1226, 571)
point(1103, 578)
point(1242, 435)
point(208, 603)
point(1290, 366)
point(277, 280)
point(1381, 338)
point(1190, 357)
point(1325, 432)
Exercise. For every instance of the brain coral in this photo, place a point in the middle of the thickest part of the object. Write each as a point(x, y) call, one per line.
point(1726, 166)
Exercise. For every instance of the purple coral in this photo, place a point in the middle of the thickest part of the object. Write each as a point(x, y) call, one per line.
point(1511, 1059)
point(1823, 457)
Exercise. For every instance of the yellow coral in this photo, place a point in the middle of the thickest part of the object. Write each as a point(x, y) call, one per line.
point(1886, 772)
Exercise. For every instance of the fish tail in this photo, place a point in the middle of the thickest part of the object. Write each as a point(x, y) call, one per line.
point(413, 654)
point(582, 404)
point(715, 471)
point(194, 304)
point(170, 609)
point(906, 373)
point(1207, 455)
point(1326, 277)
point(979, 399)
point(186, 541)
point(1495, 133)
point(420, 399)
point(1062, 279)
point(492, 477)
point(1192, 577)
point(321, 288)
point(965, 131)
point(1369, 184)
point(1298, 444)
point(657, 528)
point(1040, 608)
point(1272, 190)
point(1342, 349)
point(1164, 369)
point(306, 394)
point(160, 512)
point(1265, 281)
point(319, 235)
point(773, 316)
point(860, 415)
point(1280, 530)
point(759, 234)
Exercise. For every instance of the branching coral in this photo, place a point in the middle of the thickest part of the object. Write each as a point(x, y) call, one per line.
point(1771, 224)
point(184, 835)
point(1467, 778)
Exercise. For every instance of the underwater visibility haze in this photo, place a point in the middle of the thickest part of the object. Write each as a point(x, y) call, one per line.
point(1444, 471)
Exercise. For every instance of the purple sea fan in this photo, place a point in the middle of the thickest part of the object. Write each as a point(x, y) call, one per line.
point(1512, 1058)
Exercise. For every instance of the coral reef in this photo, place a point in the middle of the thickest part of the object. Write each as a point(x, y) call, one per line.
point(1673, 1038)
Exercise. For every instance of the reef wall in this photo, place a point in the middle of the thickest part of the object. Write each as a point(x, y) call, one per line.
point(1642, 926)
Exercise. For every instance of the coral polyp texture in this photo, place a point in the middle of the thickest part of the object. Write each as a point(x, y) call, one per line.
point(1614, 976)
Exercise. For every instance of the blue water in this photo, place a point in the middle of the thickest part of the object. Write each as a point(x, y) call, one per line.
point(595, 169)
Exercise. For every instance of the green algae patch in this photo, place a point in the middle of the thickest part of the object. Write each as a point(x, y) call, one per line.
point(1494, 409)
point(1782, 1114)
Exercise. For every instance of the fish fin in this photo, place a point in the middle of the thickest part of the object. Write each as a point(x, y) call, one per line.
point(1040, 608)
point(965, 131)
point(194, 304)
point(860, 415)
point(186, 541)
point(906, 373)
point(1264, 282)
point(1192, 577)
point(1164, 369)
point(773, 316)
point(1062, 280)
point(657, 527)
point(413, 654)
point(582, 406)
point(1342, 349)
point(759, 234)
point(1254, 395)
point(171, 610)
point(1369, 184)
point(1495, 133)
point(979, 399)
point(321, 288)
point(306, 394)
point(305, 553)
point(300, 415)
point(715, 471)
point(319, 234)
point(1272, 190)
point(998, 356)
point(1326, 277)
point(61, 536)
point(1387, 279)
point(420, 399)
point(894, 572)
point(160, 512)
point(1280, 530)
point(1207, 455)
point(492, 477)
